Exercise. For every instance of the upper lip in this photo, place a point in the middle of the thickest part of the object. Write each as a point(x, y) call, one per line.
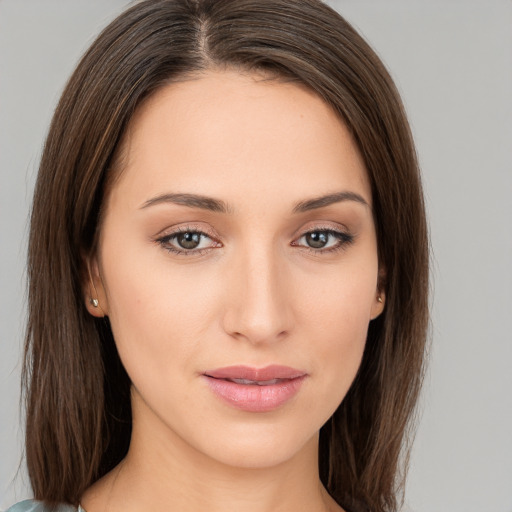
point(255, 374)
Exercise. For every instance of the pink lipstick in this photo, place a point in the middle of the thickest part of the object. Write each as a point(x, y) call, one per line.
point(255, 389)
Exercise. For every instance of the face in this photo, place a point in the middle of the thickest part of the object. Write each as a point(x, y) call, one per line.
point(237, 263)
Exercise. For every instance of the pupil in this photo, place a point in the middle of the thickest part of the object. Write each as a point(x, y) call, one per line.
point(189, 240)
point(317, 239)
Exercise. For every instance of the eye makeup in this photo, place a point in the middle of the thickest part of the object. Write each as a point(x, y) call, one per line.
point(188, 241)
point(191, 241)
point(324, 241)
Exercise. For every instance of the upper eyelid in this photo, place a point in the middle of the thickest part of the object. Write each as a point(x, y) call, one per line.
point(324, 230)
point(169, 232)
point(324, 226)
point(337, 228)
point(186, 227)
point(172, 231)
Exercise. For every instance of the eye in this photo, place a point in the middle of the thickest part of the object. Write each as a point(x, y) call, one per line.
point(324, 240)
point(187, 241)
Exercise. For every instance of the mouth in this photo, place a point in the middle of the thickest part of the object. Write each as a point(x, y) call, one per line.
point(256, 382)
point(255, 389)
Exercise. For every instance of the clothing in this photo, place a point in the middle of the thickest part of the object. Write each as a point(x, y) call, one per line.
point(39, 506)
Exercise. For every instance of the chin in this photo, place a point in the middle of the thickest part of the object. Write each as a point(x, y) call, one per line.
point(263, 451)
point(259, 441)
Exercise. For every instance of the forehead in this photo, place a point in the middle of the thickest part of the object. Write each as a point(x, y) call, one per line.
point(236, 136)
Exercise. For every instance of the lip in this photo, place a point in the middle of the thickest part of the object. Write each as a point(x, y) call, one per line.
point(270, 387)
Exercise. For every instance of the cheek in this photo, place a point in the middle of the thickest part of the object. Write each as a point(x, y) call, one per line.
point(334, 319)
point(339, 339)
point(158, 315)
point(340, 301)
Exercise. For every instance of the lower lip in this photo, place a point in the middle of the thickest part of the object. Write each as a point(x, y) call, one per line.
point(254, 398)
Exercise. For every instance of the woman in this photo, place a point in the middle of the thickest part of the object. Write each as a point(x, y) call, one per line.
point(228, 268)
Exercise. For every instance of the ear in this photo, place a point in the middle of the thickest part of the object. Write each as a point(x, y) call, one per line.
point(380, 295)
point(94, 290)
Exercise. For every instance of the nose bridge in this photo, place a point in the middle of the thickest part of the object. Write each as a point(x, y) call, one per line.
point(259, 309)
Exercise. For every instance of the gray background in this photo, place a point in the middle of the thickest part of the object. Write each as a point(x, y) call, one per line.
point(452, 61)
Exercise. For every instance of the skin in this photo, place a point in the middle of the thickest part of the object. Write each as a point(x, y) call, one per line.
point(253, 293)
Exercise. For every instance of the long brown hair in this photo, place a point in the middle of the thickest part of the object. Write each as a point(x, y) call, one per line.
point(77, 392)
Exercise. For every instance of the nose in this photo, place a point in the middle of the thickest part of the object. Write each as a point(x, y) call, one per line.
point(258, 305)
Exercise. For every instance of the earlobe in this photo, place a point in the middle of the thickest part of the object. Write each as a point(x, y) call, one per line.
point(378, 305)
point(95, 297)
point(380, 298)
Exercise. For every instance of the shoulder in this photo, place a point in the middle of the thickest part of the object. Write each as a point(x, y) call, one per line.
point(39, 506)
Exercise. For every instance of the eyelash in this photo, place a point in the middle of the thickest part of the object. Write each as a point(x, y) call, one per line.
point(344, 240)
point(164, 242)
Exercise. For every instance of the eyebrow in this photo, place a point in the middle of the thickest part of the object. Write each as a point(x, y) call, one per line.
point(190, 200)
point(322, 201)
point(219, 206)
